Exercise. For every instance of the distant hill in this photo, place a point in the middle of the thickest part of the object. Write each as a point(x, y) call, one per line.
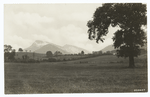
point(108, 48)
point(42, 47)
point(111, 48)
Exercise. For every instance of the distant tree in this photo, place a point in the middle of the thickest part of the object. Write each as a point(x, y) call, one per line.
point(82, 52)
point(7, 48)
point(130, 18)
point(25, 57)
point(95, 52)
point(9, 53)
point(12, 54)
point(20, 50)
point(57, 53)
point(49, 54)
point(33, 54)
point(108, 52)
point(100, 52)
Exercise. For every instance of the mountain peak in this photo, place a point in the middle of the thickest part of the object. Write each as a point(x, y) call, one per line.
point(67, 45)
point(40, 41)
point(37, 44)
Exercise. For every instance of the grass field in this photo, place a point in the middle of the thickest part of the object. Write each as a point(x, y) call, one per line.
point(92, 75)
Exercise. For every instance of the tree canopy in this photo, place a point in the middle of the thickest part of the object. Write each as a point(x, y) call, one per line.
point(130, 18)
point(9, 53)
point(82, 52)
point(7, 48)
point(57, 53)
point(20, 49)
point(49, 54)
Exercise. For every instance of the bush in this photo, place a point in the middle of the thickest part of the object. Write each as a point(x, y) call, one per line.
point(52, 60)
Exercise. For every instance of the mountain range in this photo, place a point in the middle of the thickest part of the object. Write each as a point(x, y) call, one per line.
point(42, 47)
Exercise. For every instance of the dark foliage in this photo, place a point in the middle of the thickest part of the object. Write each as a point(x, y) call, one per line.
point(52, 60)
point(9, 53)
point(49, 54)
point(82, 52)
point(20, 49)
point(129, 17)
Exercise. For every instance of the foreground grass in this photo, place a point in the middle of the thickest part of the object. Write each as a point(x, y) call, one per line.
point(93, 75)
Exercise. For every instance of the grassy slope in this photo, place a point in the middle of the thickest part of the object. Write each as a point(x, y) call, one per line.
point(99, 74)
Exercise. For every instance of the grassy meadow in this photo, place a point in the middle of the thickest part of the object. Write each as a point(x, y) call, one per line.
point(103, 74)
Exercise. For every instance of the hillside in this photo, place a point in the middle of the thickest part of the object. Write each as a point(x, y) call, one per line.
point(108, 48)
point(50, 47)
point(42, 47)
point(111, 48)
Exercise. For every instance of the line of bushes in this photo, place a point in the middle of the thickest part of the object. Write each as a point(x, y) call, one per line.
point(52, 59)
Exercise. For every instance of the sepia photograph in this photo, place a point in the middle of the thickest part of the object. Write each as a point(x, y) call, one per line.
point(57, 48)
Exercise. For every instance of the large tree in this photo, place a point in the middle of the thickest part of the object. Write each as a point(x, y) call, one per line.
point(130, 18)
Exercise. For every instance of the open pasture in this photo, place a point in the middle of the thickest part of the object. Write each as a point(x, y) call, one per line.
point(101, 74)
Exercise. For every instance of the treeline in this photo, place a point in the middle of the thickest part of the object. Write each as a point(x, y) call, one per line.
point(10, 55)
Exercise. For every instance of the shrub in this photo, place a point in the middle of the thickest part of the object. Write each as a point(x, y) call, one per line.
point(52, 60)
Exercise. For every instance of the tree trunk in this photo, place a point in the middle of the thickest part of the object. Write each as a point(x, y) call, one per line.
point(131, 55)
point(131, 61)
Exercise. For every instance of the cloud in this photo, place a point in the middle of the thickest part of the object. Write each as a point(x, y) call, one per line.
point(26, 18)
point(24, 23)
point(76, 16)
point(18, 42)
point(73, 33)
point(22, 28)
point(41, 37)
point(68, 26)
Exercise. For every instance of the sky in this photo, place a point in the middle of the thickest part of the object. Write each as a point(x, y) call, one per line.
point(60, 24)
